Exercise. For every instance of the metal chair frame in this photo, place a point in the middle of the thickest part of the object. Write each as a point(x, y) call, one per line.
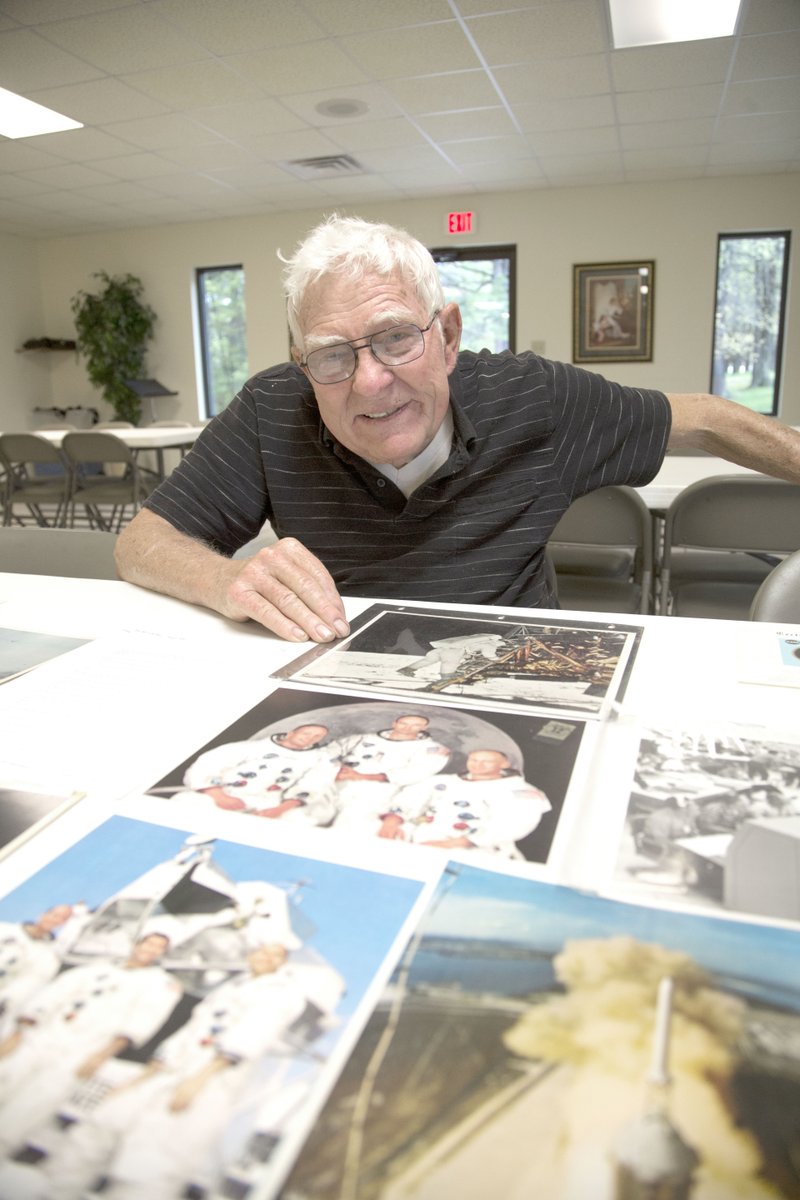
point(88, 452)
point(602, 552)
point(20, 454)
point(746, 523)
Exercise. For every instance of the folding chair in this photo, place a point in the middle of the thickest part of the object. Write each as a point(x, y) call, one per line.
point(722, 537)
point(35, 476)
point(73, 553)
point(89, 454)
point(602, 551)
point(778, 598)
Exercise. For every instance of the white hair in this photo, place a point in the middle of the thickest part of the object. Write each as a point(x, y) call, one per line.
point(352, 248)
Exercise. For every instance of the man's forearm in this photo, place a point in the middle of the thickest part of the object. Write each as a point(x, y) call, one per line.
point(153, 554)
point(732, 431)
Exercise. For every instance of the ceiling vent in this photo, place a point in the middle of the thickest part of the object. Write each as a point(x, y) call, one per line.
point(327, 166)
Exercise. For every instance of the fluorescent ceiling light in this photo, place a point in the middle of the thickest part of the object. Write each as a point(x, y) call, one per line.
point(21, 118)
point(651, 22)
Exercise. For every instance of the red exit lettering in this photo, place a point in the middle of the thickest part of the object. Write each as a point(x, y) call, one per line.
point(459, 222)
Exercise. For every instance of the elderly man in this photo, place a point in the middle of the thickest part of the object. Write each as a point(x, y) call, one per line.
point(391, 465)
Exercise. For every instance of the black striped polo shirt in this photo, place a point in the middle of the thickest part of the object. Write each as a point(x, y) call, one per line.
point(530, 435)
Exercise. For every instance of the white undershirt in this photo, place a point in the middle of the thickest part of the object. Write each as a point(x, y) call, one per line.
point(414, 473)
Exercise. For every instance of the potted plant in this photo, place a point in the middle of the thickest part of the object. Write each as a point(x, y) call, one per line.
point(113, 328)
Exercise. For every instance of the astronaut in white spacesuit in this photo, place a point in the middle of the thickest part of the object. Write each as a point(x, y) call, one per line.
point(268, 777)
point(64, 1034)
point(161, 1132)
point(373, 767)
point(30, 956)
point(489, 807)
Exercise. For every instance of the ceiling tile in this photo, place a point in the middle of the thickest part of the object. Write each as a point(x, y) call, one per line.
point(33, 12)
point(644, 67)
point(486, 150)
point(277, 72)
point(136, 166)
point(576, 141)
point(240, 121)
point(28, 61)
point(194, 85)
point(353, 16)
point(666, 133)
point(555, 79)
point(125, 40)
point(67, 175)
point(82, 145)
point(98, 102)
point(763, 127)
point(481, 122)
point(437, 48)
point(767, 56)
point(573, 27)
point(159, 133)
point(762, 95)
point(240, 25)
point(585, 112)
point(368, 135)
point(665, 104)
point(765, 16)
point(453, 92)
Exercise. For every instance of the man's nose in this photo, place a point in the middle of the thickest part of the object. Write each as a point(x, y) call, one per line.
point(370, 375)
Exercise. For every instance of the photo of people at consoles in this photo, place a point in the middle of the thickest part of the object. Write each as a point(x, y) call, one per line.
point(391, 464)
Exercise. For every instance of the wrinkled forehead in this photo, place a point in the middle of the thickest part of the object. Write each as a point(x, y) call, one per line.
point(339, 308)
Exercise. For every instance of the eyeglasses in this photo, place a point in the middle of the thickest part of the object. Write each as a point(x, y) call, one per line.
point(393, 346)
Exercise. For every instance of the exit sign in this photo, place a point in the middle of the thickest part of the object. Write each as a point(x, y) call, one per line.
point(460, 222)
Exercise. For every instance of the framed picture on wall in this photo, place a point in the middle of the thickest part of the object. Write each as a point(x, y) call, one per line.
point(613, 312)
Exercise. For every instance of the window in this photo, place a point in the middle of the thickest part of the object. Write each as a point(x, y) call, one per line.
point(222, 327)
point(483, 282)
point(752, 270)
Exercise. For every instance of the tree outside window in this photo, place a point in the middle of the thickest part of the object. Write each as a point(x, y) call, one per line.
point(752, 271)
point(223, 334)
point(482, 281)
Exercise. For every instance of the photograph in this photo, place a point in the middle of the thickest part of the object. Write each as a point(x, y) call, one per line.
point(171, 1006)
point(21, 651)
point(538, 1041)
point(564, 667)
point(23, 813)
point(421, 775)
point(613, 312)
point(714, 820)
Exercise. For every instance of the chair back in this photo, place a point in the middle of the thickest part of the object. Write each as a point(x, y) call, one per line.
point(91, 446)
point(778, 597)
point(754, 518)
point(602, 551)
point(19, 448)
point(73, 553)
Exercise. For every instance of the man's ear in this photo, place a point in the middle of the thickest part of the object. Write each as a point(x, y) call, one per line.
point(450, 321)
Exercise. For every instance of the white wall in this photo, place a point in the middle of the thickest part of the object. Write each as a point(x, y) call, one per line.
point(25, 378)
point(675, 223)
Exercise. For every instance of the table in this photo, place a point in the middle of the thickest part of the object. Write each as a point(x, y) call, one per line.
point(678, 471)
point(163, 678)
point(146, 437)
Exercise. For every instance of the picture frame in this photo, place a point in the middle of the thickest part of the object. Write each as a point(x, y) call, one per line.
point(613, 312)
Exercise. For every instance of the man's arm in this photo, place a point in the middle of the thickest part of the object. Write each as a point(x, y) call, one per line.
point(284, 587)
point(732, 431)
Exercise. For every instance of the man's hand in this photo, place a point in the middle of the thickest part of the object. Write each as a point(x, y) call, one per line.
point(288, 590)
point(284, 587)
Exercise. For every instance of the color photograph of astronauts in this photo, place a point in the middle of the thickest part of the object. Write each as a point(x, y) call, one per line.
point(427, 775)
point(169, 1016)
point(714, 820)
point(561, 667)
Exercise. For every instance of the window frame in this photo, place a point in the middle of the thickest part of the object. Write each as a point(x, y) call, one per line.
point(209, 409)
point(755, 235)
point(478, 253)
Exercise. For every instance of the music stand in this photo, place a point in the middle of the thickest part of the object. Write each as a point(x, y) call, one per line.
point(148, 389)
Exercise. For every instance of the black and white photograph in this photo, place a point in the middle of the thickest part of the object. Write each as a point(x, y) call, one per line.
point(490, 662)
point(408, 772)
point(172, 1004)
point(714, 819)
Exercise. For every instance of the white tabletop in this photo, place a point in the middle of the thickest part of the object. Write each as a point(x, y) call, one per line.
point(145, 437)
point(182, 673)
